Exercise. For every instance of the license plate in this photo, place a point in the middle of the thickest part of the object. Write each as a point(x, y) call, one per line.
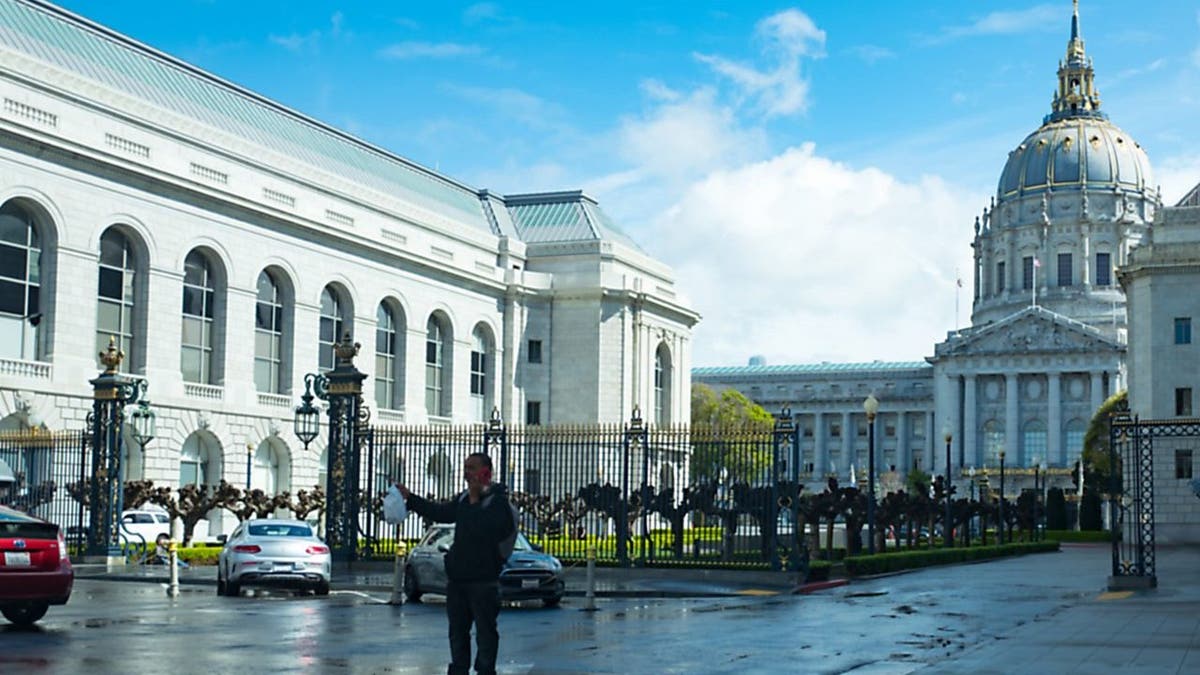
point(265, 566)
point(299, 566)
point(16, 559)
point(529, 583)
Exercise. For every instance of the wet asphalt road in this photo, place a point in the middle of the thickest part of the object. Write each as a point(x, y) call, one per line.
point(896, 624)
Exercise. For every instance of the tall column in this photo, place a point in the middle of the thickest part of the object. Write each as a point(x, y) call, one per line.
point(1097, 390)
point(930, 439)
point(847, 445)
point(1012, 419)
point(1055, 452)
point(969, 444)
point(820, 448)
point(903, 449)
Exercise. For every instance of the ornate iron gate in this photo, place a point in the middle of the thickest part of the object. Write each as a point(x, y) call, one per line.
point(49, 472)
point(1131, 462)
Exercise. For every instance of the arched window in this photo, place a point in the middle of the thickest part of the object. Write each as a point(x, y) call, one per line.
point(269, 469)
point(993, 442)
point(662, 385)
point(481, 365)
point(333, 323)
point(1034, 443)
point(199, 297)
point(389, 358)
point(437, 370)
point(20, 284)
point(117, 296)
point(268, 336)
point(198, 464)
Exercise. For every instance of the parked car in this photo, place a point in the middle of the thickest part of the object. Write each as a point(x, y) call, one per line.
point(273, 552)
point(146, 523)
point(34, 569)
point(528, 574)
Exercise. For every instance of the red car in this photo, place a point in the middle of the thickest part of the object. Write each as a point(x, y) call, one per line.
point(34, 569)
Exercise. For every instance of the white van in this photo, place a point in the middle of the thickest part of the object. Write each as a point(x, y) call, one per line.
point(145, 522)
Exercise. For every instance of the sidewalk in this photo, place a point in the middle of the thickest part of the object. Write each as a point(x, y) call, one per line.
point(1152, 631)
point(611, 582)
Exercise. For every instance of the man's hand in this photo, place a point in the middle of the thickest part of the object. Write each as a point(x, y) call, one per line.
point(403, 490)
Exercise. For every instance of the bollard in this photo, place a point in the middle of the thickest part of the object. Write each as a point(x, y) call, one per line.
point(398, 575)
point(589, 604)
point(173, 561)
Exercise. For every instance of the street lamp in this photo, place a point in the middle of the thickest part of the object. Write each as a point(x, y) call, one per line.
point(971, 473)
point(871, 407)
point(144, 424)
point(307, 419)
point(948, 535)
point(1003, 523)
point(249, 455)
point(1040, 513)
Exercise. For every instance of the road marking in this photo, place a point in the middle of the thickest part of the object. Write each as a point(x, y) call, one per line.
point(1115, 595)
point(757, 591)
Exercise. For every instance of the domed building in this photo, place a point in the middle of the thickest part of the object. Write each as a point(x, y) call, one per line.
point(1046, 343)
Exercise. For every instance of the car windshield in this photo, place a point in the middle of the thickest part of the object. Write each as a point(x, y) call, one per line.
point(522, 544)
point(271, 530)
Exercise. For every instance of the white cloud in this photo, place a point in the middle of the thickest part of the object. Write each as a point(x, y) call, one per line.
point(872, 53)
point(787, 37)
point(481, 11)
point(522, 106)
point(1177, 175)
point(1039, 18)
point(429, 50)
point(296, 42)
point(803, 259)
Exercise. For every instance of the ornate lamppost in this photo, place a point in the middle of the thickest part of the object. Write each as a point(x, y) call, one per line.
point(948, 535)
point(971, 474)
point(871, 407)
point(341, 388)
point(111, 393)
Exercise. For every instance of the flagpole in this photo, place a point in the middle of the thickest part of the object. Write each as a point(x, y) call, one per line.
point(957, 292)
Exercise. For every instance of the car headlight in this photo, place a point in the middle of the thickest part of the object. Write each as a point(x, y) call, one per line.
point(555, 565)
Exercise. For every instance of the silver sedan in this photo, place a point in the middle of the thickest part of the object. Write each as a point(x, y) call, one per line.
point(273, 552)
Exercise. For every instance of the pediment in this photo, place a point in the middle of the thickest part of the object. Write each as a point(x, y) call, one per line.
point(1032, 330)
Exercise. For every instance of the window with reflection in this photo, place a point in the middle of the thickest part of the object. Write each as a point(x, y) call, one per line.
point(385, 358)
point(332, 325)
point(20, 284)
point(268, 335)
point(435, 368)
point(199, 293)
point(116, 301)
point(480, 362)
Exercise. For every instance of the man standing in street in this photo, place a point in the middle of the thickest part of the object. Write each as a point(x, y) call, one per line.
point(482, 520)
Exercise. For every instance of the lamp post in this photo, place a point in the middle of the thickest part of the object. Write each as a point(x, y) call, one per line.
point(948, 535)
point(249, 455)
point(348, 430)
point(871, 407)
point(971, 474)
point(1040, 513)
point(111, 393)
point(1003, 523)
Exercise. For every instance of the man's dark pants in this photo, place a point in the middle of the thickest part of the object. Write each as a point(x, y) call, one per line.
point(478, 602)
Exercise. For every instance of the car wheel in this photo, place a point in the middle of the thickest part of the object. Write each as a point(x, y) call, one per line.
point(322, 588)
point(551, 602)
point(412, 589)
point(232, 588)
point(26, 614)
point(221, 587)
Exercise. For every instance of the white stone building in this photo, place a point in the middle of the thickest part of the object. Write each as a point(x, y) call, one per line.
point(226, 241)
point(1046, 343)
point(1160, 281)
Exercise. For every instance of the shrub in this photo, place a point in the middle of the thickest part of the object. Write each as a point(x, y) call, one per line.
point(1089, 519)
point(1100, 536)
point(904, 560)
point(1056, 510)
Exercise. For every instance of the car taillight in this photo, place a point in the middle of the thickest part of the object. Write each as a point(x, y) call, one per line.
point(246, 548)
point(316, 550)
point(62, 545)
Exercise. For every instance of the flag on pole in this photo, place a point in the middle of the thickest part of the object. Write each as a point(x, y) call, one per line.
point(1037, 263)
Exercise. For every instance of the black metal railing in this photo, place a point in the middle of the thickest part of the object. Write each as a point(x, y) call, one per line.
point(44, 466)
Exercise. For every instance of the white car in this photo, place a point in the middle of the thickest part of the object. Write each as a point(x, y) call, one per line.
point(146, 523)
point(273, 552)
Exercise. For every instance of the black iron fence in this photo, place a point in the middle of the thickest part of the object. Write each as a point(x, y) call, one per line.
point(628, 493)
point(39, 470)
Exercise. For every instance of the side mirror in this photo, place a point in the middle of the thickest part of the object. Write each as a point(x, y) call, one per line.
point(222, 538)
point(444, 548)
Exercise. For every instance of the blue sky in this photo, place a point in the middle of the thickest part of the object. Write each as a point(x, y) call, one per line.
point(811, 171)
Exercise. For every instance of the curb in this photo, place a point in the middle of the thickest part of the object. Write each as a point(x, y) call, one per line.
point(819, 586)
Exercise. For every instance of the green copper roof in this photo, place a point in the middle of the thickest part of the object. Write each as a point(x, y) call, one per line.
point(562, 217)
point(69, 42)
point(809, 369)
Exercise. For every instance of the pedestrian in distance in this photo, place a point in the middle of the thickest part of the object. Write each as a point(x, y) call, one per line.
point(484, 527)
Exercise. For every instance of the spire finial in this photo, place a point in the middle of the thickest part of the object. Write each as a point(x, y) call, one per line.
point(1077, 95)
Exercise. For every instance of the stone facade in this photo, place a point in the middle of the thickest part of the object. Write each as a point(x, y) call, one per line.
point(544, 307)
point(1160, 283)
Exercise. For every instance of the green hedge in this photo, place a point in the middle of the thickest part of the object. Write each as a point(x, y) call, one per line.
point(1073, 536)
point(904, 560)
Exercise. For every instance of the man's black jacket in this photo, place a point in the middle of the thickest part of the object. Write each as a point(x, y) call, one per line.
point(478, 530)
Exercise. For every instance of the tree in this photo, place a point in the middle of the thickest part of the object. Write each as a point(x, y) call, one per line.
point(731, 439)
point(1056, 510)
point(1096, 444)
